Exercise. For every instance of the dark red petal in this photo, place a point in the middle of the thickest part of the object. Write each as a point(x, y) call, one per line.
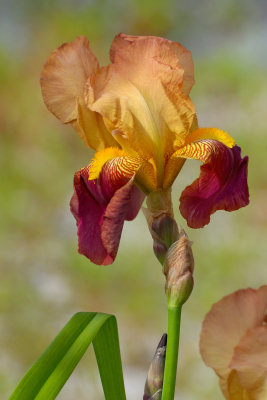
point(100, 214)
point(134, 205)
point(88, 208)
point(222, 185)
point(115, 215)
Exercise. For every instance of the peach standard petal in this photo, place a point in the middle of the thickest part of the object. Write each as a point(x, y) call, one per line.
point(144, 94)
point(183, 56)
point(64, 75)
point(62, 81)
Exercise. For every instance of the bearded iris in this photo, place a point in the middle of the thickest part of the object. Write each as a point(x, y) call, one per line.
point(137, 115)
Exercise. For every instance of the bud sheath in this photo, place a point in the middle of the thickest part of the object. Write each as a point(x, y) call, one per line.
point(154, 381)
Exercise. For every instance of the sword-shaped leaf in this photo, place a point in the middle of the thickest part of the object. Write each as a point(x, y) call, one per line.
point(47, 376)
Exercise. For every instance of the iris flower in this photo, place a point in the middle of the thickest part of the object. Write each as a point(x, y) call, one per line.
point(137, 115)
point(233, 342)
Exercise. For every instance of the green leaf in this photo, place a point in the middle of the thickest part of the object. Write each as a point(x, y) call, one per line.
point(47, 376)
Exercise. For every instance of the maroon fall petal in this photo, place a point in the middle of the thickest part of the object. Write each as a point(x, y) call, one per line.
point(100, 217)
point(115, 215)
point(136, 199)
point(88, 208)
point(222, 185)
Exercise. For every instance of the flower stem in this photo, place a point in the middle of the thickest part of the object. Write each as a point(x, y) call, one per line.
point(174, 319)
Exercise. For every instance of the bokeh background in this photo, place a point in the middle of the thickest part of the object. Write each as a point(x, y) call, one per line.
point(43, 279)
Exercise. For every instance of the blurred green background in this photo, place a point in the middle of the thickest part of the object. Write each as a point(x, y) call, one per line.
point(43, 279)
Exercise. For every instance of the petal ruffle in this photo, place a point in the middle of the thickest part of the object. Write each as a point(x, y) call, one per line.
point(184, 56)
point(144, 93)
point(100, 207)
point(222, 184)
point(62, 81)
point(64, 75)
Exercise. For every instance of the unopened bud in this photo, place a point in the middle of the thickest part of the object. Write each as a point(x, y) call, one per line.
point(160, 250)
point(154, 381)
point(162, 225)
point(165, 227)
point(178, 268)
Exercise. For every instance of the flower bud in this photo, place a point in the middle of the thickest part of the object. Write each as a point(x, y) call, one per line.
point(178, 269)
point(166, 229)
point(154, 381)
point(162, 225)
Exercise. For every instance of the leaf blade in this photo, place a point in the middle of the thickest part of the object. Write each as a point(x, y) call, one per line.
point(107, 352)
point(47, 376)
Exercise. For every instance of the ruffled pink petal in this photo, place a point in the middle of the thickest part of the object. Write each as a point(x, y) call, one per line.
point(222, 185)
point(227, 322)
point(100, 207)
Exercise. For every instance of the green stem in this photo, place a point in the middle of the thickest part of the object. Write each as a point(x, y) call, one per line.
point(174, 319)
